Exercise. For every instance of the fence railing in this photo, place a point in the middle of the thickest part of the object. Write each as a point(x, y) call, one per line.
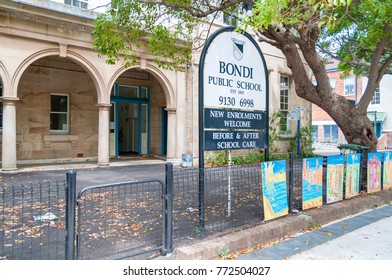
point(32, 221)
point(120, 220)
point(232, 198)
point(141, 218)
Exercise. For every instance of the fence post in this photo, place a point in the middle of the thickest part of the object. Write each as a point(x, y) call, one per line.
point(70, 216)
point(168, 211)
point(201, 198)
point(291, 181)
point(363, 171)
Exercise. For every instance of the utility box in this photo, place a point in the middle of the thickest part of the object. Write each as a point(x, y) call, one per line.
point(352, 149)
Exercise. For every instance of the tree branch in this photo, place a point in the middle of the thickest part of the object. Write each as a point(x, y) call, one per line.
point(375, 74)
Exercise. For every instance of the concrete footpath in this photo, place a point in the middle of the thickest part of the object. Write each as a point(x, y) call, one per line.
point(366, 236)
point(281, 228)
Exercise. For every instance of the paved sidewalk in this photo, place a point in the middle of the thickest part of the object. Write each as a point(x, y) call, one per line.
point(364, 236)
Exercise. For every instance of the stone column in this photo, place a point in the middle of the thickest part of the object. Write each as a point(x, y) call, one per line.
point(103, 134)
point(171, 133)
point(181, 113)
point(9, 134)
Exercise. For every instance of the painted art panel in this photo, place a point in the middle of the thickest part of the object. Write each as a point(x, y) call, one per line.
point(335, 175)
point(387, 172)
point(312, 183)
point(274, 189)
point(353, 169)
point(374, 172)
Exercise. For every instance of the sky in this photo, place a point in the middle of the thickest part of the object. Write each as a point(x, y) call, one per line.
point(96, 3)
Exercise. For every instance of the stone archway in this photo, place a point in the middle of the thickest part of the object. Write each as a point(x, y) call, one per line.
point(162, 110)
point(84, 59)
point(57, 116)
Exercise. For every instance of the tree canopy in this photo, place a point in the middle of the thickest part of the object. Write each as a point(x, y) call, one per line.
point(356, 32)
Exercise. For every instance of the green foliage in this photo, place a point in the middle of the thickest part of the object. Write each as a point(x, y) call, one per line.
point(300, 14)
point(196, 230)
point(359, 33)
point(223, 253)
point(220, 158)
point(313, 226)
point(248, 158)
point(274, 137)
point(132, 26)
point(306, 142)
point(166, 28)
point(356, 36)
point(217, 158)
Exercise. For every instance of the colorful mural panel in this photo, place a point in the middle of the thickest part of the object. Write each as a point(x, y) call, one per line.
point(387, 172)
point(274, 189)
point(312, 183)
point(374, 172)
point(335, 174)
point(352, 175)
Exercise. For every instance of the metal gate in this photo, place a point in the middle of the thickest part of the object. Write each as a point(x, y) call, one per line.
point(124, 220)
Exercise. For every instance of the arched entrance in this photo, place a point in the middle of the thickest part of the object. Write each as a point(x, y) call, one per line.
point(137, 124)
point(57, 114)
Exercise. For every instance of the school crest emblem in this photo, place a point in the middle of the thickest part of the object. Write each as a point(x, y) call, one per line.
point(238, 48)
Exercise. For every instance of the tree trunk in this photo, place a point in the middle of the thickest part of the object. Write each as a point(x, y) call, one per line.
point(356, 126)
point(351, 119)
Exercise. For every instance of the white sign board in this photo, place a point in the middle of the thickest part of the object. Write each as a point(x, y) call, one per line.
point(234, 74)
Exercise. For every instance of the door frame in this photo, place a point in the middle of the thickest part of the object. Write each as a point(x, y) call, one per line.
point(115, 100)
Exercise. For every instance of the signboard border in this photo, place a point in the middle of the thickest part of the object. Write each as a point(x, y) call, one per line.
point(209, 41)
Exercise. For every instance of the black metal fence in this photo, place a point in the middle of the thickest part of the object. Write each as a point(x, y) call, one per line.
point(138, 219)
point(32, 221)
point(232, 198)
point(120, 220)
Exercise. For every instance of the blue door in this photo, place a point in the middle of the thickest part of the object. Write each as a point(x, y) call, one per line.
point(132, 120)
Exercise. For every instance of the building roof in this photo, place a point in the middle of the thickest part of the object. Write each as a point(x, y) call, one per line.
point(60, 7)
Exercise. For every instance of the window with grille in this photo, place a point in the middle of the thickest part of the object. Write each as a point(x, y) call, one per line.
point(376, 97)
point(331, 134)
point(59, 113)
point(77, 3)
point(349, 85)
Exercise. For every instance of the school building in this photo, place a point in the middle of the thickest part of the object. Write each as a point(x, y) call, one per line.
point(60, 102)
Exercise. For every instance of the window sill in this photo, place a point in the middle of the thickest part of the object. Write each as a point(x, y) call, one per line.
point(60, 138)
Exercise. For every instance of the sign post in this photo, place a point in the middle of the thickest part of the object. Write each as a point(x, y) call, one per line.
point(233, 99)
